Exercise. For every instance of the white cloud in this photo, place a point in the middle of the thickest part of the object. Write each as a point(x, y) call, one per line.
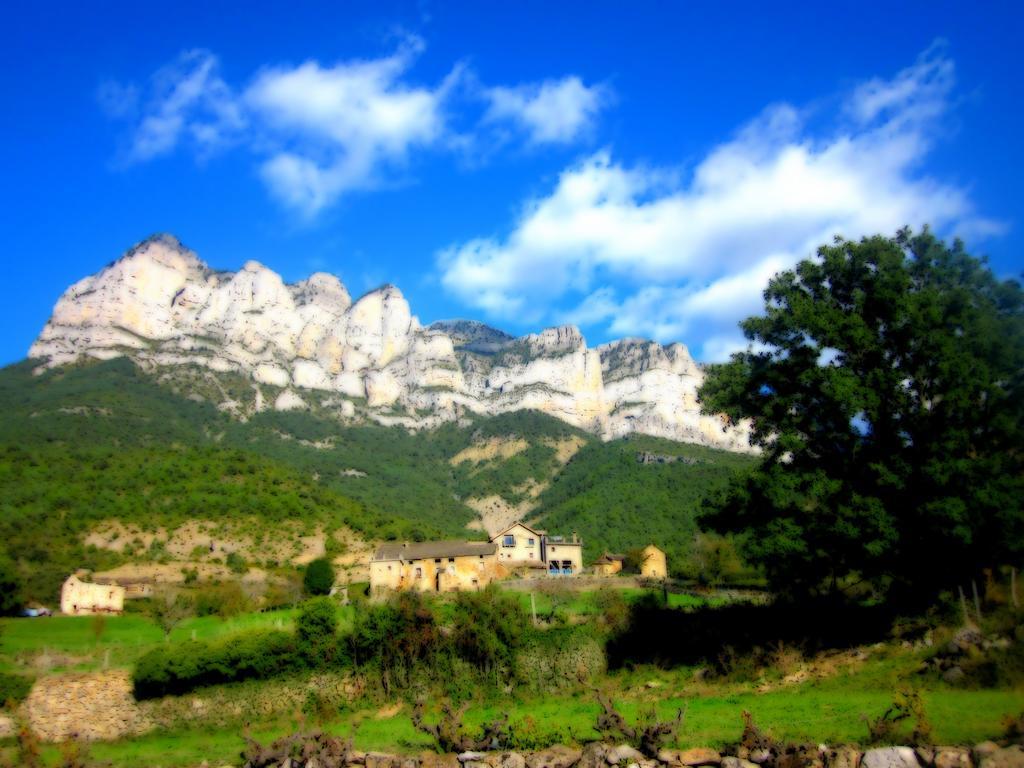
point(692, 258)
point(551, 112)
point(351, 121)
point(321, 131)
point(189, 102)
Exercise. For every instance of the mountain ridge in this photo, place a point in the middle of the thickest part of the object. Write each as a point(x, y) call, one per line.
point(162, 306)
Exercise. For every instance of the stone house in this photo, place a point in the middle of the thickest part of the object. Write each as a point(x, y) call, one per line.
point(654, 565)
point(79, 597)
point(519, 545)
point(451, 566)
point(434, 566)
point(608, 564)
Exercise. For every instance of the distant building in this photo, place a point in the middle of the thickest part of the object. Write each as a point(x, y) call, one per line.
point(451, 566)
point(520, 545)
point(654, 565)
point(608, 564)
point(433, 566)
point(79, 597)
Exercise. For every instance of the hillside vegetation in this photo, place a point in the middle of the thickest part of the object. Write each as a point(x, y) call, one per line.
point(107, 441)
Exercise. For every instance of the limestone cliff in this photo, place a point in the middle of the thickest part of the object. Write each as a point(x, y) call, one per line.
point(371, 359)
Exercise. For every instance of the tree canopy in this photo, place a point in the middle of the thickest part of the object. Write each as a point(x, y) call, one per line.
point(319, 577)
point(884, 385)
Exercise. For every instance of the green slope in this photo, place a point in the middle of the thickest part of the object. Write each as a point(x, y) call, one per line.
point(615, 502)
point(102, 440)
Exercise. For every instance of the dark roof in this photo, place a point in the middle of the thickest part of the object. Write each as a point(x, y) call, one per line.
point(608, 557)
point(428, 550)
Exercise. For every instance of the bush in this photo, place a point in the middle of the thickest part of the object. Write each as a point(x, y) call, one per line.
point(488, 629)
point(236, 563)
point(319, 577)
point(13, 688)
point(395, 637)
point(180, 668)
point(10, 587)
point(222, 600)
point(316, 632)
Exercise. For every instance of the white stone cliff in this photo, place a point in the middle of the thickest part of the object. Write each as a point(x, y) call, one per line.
point(161, 306)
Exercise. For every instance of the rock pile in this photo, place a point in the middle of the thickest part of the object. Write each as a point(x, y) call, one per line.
point(968, 643)
point(320, 751)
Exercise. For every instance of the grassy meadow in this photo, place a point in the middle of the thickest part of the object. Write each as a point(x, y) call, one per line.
point(820, 698)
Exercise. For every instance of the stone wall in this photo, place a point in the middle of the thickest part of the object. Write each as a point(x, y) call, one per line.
point(84, 705)
point(325, 752)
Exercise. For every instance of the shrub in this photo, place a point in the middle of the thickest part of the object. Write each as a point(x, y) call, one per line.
point(236, 563)
point(319, 577)
point(180, 668)
point(222, 600)
point(488, 629)
point(10, 587)
point(13, 688)
point(316, 632)
point(395, 637)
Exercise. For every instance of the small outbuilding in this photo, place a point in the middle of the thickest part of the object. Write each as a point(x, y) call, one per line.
point(608, 564)
point(654, 565)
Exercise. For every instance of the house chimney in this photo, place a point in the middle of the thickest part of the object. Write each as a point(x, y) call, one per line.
point(575, 538)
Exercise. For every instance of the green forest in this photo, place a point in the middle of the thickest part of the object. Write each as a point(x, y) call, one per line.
point(106, 440)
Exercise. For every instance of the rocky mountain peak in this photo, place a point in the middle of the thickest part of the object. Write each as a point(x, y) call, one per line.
point(369, 359)
point(561, 339)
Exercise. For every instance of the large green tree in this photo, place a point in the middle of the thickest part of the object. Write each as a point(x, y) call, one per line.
point(884, 384)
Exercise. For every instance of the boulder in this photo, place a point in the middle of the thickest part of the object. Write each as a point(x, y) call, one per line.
point(473, 757)
point(616, 755)
point(434, 760)
point(843, 757)
point(800, 756)
point(380, 760)
point(593, 755)
point(952, 757)
point(953, 675)
point(1006, 757)
point(554, 757)
point(737, 762)
point(983, 750)
point(691, 757)
point(890, 757)
point(512, 760)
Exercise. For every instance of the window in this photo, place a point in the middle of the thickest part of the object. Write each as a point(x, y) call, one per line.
point(437, 560)
point(451, 559)
point(529, 542)
point(419, 573)
point(508, 541)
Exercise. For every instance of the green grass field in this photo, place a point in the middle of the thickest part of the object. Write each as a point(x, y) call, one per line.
point(80, 643)
point(829, 708)
point(830, 713)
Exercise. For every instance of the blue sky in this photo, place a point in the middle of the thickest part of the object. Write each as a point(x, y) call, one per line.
point(639, 169)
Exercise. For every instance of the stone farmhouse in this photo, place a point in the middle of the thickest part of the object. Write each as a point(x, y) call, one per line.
point(100, 594)
point(433, 566)
point(519, 545)
point(79, 597)
point(451, 566)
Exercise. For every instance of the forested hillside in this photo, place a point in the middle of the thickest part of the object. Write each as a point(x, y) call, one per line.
point(106, 441)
